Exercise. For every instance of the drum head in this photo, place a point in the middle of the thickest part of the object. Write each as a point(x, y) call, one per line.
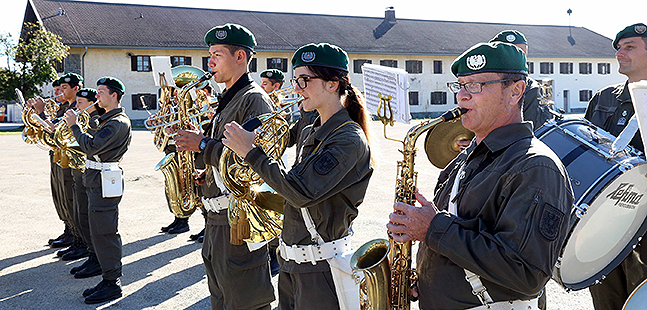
point(638, 298)
point(605, 235)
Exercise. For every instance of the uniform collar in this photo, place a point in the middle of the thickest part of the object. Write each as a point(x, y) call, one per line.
point(622, 92)
point(111, 113)
point(505, 136)
point(321, 131)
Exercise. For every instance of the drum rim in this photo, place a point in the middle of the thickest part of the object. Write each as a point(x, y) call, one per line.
point(633, 292)
point(600, 275)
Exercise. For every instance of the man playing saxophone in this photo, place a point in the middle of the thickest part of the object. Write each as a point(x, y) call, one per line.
point(231, 269)
point(499, 216)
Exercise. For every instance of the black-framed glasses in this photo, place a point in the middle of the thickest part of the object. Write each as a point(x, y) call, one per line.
point(302, 81)
point(471, 87)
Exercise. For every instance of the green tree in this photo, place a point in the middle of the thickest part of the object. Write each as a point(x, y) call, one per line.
point(34, 61)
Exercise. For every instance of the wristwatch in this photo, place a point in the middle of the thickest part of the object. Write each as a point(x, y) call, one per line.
point(203, 143)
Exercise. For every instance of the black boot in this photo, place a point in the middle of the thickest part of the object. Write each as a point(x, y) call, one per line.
point(201, 239)
point(196, 236)
point(93, 268)
point(80, 267)
point(79, 250)
point(62, 252)
point(67, 240)
point(166, 228)
point(181, 226)
point(106, 290)
point(50, 241)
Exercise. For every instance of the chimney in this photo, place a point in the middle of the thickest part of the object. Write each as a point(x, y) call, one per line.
point(389, 16)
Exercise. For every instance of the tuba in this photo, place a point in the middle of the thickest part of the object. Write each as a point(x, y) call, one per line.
point(255, 210)
point(387, 287)
point(179, 171)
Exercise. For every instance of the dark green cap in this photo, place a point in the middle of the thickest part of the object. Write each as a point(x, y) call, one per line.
point(322, 54)
point(635, 30)
point(490, 57)
point(112, 82)
point(87, 93)
point(510, 36)
point(274, 74)
point(230, 34)
point(56, 82)
point(70, 78)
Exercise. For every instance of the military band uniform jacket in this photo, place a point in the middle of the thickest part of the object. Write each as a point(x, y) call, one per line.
point(237, 278)
point(513, 207)
point(331, 182)
point(532, 110)
point(610, 109)
point(108, 144)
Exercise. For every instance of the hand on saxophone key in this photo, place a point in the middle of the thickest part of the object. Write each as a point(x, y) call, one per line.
point(408, 223)
point(188, 140)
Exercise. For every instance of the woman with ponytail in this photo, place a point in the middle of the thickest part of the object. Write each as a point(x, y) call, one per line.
point(325, 186)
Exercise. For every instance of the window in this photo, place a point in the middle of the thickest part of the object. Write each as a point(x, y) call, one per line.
point(149, 99)
point(545, 68)
point(180, 61)
point(140, 63)
point(438, 67)
point(413, 98)
point(389, 63)
point(357, 64)
point(604, 68)
point(252, 65)
point(531, 67)
point(438, 97)
point(205, 64)
point(278, 63)
point(414, 66)
point(566, 68)
point(59, 66)
point(586, 68)
point(585, 95)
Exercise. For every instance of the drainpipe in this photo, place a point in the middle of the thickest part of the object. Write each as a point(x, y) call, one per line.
point(83, 63)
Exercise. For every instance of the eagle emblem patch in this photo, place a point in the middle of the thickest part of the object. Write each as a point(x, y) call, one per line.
point(308, 56)
point(221, 34)
point(476, 62)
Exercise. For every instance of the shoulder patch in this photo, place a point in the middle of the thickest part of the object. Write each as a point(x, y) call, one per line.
point(550, 222)
point(104, 133)
point(325, 163)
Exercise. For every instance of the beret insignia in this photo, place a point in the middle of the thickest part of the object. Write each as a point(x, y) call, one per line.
point(85, 93)
point(308, 56)
point(640, 29)
point(221, 34)
point(476, 62)
point(269, 74)
point(67, 80)
point(511, 38)
point(102, 80)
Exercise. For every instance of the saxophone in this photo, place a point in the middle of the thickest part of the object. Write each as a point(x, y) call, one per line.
point(179, 171)
point(387, 282)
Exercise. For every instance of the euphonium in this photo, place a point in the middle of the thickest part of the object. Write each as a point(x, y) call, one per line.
point(254, 208)
point(179, 171)
point(389, 289)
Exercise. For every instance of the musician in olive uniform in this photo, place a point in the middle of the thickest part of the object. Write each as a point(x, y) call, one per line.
point(85, 100)
point(611, 109)
point(105, 149)
point(238, 278)
point(325, 187)
point(505, 200)
point(272, 80)
point(532, 110)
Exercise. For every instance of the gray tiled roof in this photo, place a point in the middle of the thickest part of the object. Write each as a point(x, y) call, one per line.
point(145, 26)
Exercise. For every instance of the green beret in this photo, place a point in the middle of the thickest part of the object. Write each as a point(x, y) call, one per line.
point(56, 82)
point(112, 82)
point(490, 57)
point(510, 36)
point(322, 54)
point(70, 78)
point(87, 93)
point(230, 34)
point(274, 74)
point(635, 30)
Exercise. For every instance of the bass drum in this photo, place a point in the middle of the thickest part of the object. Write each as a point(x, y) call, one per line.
point(610, 212)
point(638, 298)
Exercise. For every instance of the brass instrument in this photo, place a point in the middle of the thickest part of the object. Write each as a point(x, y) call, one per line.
point(179, 171)
point(68, 154)
point(279, 94)
point(254, 208)
point(441, 142)
point(35, 127)
point(389, 289)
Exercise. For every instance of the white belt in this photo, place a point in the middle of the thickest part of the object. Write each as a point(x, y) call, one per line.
point(532, 304)
point(216, 204)
point(91, 164)
point(313, 253)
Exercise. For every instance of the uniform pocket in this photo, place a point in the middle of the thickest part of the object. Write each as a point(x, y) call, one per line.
point(104, 221)
point(242, 259)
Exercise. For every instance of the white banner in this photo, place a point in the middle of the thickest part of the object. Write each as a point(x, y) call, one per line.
point(387, 81)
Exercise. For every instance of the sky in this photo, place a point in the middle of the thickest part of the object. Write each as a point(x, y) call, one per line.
point(607, 19)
